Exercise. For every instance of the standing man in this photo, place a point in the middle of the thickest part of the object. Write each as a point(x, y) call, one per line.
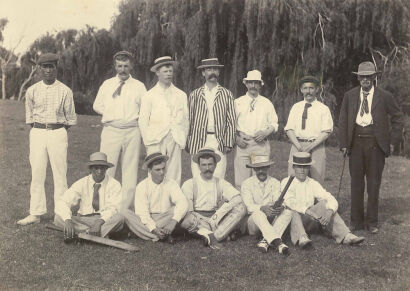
point(118, 101)
point(313, 207)
point(49, 112)
point(97, 197)
point(164, 117)
point(259, 193)
point(309, 124)
point(213, 201)
point(211, 117)
point(255, 119)
point(364, 135)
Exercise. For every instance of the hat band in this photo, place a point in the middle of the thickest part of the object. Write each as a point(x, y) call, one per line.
point(210, 63)
point(303, 160)
point(163, 61)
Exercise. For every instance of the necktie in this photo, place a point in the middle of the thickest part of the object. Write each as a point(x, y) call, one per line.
point(117, 92)
point(252, 108)
point(96, 197)
point(365, 104)
point(305, 114)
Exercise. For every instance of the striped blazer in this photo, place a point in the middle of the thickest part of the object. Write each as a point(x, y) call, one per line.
point(224, 116)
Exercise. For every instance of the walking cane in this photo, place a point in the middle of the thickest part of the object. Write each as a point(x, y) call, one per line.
point(341, 176)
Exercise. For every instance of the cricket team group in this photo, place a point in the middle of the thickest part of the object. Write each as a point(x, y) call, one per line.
point(208, 123)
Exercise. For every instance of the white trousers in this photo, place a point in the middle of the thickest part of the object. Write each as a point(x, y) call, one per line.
point(220, 169)
point(169, 147)
point(318, 169)
point(243, 157)
point(47, 144)
point(128, 141)
point(259, 222)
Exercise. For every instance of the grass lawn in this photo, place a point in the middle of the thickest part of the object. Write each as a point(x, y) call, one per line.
point(35, 258)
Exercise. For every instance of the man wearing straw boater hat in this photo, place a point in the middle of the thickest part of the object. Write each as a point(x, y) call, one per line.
point(118, 101)
point(309, 125)
point(255, 119)
point(49, 113)
point(96, 197)
point(214, 202)
point(164, 117)
point(160, 205)
point(211, 117)
point(259, 193)
point(364, 135)
point(301, 197)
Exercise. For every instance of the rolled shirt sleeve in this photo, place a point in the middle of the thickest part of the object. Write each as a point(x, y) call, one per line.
point(321, 194)
point(70, 198)
point(327, 120)
point(179, 200)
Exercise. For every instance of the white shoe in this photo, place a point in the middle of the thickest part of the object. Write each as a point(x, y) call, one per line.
point(31, 219)
point(263, 246)
point(304, 242)
point(283, 249)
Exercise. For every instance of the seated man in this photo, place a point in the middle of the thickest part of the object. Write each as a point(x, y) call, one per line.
point(213, 201)
point(97, 198)
point(301, 197)
point(259, 193)
point(160, 204)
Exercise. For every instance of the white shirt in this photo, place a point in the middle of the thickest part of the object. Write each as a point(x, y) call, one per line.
point(262, 117)
point(301, 195)
point(210, 98)
point(319, 120)
point(82, 192)
point(207, 196)
point(152, 198)
point(366, 119)
point(164, 110)
point(123, 110)
point(256, 193)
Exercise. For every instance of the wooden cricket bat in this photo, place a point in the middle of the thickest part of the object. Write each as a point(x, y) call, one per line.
point(100, 240)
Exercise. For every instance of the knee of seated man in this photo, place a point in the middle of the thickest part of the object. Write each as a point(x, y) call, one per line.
point(240, 209)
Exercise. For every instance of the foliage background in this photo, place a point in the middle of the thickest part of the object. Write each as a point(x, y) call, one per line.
point(284, 39)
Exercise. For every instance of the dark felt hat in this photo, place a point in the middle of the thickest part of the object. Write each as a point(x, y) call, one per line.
point(309, 79)
point(47, 58)
point(123, 53)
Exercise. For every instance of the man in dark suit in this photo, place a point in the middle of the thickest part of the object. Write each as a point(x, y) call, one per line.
point(364, 135)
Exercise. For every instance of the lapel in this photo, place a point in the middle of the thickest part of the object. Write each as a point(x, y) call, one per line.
point(356, 102)
point(376, 99)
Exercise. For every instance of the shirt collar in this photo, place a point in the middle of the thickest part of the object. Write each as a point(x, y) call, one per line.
point(214, 90)
point(48, 86)
point(313, 102)
point(250, 97)
point(119, 80)
point(103, 182)
point(370, 92)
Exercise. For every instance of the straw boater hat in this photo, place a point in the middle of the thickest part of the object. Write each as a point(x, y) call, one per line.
point(210, 63)
point(123, 53)
point(301, 159)
point(366, 69)
point(152, 158)
point(206, 151)
point(254, 75)
point(162, 61)
point(309, 79)
point(259, 161)
point(47, 58)
point(99, 159)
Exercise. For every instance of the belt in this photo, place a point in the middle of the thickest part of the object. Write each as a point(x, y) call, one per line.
point(305, 140)
point(210, 132)
point(48, 126)
point(365, 136)
point(88, 215)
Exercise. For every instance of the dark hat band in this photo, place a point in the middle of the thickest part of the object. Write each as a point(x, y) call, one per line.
point(304, 160)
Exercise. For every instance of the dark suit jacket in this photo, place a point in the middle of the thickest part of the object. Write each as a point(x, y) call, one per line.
point(383, 105)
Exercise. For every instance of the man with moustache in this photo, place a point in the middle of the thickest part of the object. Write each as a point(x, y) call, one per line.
point(259, 193)
point(364, 135)
point(255, 119)
point(49, 113)
point(313, 207)
point(309, 125)
point(164, 117)
point(214, 202)
point(211, 117)
point(96, 197)
point(119, 101)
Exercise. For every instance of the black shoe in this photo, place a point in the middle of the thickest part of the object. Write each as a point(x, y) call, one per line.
point(169, 240)
point(234, 235)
